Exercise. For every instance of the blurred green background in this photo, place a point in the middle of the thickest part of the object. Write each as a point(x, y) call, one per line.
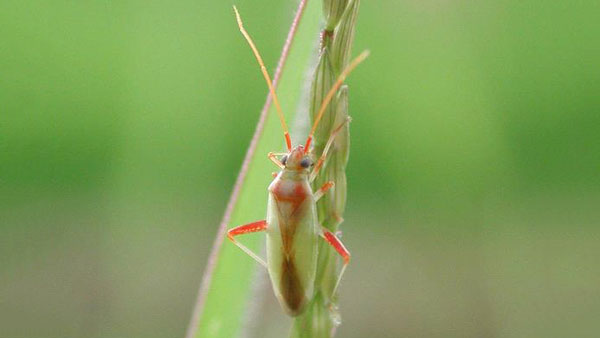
point(474, 177)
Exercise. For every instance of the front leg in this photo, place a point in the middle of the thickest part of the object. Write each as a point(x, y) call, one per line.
point(273, 157)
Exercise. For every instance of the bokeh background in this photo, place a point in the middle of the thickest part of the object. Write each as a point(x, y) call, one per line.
point(474, 177)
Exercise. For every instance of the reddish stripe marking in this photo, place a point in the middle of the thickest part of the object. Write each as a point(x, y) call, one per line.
point(296, 196)
point(338, 246)
point(292, 198)
point(246, 228)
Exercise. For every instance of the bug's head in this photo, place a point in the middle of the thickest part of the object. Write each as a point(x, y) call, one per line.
point(297, 159)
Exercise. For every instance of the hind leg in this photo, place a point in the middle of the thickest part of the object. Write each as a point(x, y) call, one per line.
point(337, 244)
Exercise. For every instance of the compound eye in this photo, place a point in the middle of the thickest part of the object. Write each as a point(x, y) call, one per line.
point(305, 163)
point(284, 159)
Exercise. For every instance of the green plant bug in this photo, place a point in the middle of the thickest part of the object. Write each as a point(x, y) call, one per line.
point(291, 225)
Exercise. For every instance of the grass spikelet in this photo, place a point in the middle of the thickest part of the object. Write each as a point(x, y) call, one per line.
point(322, 315)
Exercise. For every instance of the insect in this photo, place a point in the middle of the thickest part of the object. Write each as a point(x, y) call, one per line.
point(291, 226)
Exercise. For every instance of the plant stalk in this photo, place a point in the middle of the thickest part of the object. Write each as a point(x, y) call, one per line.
point(322, 315)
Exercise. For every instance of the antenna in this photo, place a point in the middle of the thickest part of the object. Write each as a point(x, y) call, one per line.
point(263, 69)
point(329, 96)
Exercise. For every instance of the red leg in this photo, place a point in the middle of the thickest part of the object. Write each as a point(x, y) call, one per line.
point(337, 244)
point(244, 229)
point(323, 189)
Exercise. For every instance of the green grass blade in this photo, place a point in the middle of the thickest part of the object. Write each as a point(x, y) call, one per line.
point(226, 287)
